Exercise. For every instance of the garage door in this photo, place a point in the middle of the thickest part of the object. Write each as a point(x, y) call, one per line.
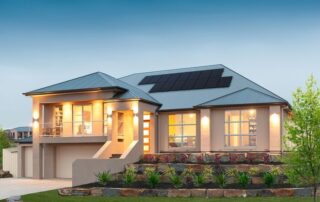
point(28, 165)
point(67, 154)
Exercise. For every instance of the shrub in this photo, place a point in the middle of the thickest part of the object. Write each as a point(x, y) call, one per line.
point(129, 176)
point(221, 179)
point(207, 174)
point(243, 179)
point(104, 177)
point(269, 179)
point(199, 180)
point(176, 180)
point(232, 172)
point(169, 171)
point(153, 177)
point(188, 175)
point(253, 171)
point(276, 171)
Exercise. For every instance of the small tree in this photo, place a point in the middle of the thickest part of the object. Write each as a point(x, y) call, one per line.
point(302, 140)
point(4, 143)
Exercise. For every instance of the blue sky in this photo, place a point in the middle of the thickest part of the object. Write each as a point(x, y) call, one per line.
point(273, 42)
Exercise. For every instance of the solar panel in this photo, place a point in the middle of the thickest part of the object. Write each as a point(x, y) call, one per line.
point(187, 81)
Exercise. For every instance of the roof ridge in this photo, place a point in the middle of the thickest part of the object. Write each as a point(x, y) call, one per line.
point(168, 70)
point(237, 91)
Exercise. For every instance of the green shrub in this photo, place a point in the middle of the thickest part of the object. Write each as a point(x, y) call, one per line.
point(199, 180)
point(269, 179)
point(153, 177)
point(188, 175)
point(221, 179)
point(243, 179)
point(4, 143)
point(104, 177)
point(129, 176)
point(207, 174)
point(176, 180)
point(253, 171)
point(232, 172)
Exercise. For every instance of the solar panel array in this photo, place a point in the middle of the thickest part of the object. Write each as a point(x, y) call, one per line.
point(187, 81)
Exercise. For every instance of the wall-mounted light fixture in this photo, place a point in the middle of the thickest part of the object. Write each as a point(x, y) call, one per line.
point(135, 111)
point(205, 121)
point(275, 119)
point(35, 123)
point(109, 115)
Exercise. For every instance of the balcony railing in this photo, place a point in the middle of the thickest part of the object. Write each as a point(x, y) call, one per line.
point(67, 129)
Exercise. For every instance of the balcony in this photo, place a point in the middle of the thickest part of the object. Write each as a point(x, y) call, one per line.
point(73, 132)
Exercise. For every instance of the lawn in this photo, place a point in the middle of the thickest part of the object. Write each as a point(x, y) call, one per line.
point(52, 196)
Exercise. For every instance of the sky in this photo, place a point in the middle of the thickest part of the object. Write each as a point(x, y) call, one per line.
point(275, 43)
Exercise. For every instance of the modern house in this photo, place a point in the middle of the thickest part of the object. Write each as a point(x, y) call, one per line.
point(97, 122)
point(19, 133)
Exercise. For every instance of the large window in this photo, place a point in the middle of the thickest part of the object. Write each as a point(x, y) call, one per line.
point(240, 128)
point(82, 119)
point(182, 130)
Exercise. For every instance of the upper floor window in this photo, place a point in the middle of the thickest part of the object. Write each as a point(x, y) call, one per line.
point(182, 130)
point(240, 128)
point(82, 119)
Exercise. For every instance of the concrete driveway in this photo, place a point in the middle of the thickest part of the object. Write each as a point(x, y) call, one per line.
point(21, 186)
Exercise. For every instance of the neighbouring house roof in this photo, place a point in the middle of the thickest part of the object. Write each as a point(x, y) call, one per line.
point(223, 87)
point(96, 81)
point(22, 129)
point(187, 99)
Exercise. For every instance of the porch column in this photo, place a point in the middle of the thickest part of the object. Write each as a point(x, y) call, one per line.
point(36, 146)
point(275, 128)
point(205, 122)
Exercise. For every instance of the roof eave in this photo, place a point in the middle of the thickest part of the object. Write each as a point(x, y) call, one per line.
point(241, 105)
point(116, 89)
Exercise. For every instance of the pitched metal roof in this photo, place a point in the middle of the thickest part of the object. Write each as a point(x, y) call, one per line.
point(22, 129)
point(96, 81)
point(244, 96)
point(187, 99)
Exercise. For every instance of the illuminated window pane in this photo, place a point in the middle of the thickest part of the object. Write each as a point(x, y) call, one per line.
point(234, 128)
point(146, 117)
point(175, 119)
point(145, 132)
point(245, 128)
point(146, 124)
point(146, 140)
point(189, 118)
point(226, 129)
point(233, 116)
point(146, 147)
point(234, 141)
point(175, 130)
point(189, 130)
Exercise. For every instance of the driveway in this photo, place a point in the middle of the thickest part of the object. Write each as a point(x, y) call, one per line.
point(21, 186)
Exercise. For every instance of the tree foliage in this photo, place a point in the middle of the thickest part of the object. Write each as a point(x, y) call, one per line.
point(4, 143)
point(302, 140)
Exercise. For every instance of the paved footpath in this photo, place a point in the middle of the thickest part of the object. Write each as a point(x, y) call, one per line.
point(22, 186)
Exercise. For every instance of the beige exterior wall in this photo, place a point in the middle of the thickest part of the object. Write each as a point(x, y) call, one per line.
point(10, 160)
point(28, 166)
point(68, 153)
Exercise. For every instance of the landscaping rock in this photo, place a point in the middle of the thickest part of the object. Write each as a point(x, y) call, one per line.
point(150, 158)
point(208, 158)
point(223, 158)
point(150, 192)
point(266, 193)
point(179, 167)
point(140, 178)
point(161, 167)
point(303, 192)
point(237, 157)
point(162, 192)
point(198, 193)
point(179, 193)
point(258, 158)
point(214, 193)
point(181, 158)
point(128, 192)
point(167, 158)
point(74, 192)
point(97, 191)
point(111, 192)
point(283, 192)
point(14, 199)
point(5, 174)
point(257, 180)
point(234, 193)
point(252, 192)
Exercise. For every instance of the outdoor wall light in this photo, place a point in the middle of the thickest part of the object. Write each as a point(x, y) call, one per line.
point(35, 123)
point(275, 119)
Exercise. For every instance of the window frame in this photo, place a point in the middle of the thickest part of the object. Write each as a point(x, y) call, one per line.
point(182, 136)
point(240, 135)
point(82, 119)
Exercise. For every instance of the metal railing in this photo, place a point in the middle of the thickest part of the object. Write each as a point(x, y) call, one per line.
point(66, 129)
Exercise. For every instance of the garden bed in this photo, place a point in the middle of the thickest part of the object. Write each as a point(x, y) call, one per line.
point(203, 193)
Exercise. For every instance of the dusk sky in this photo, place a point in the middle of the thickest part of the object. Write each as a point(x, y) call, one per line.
point(275, 43)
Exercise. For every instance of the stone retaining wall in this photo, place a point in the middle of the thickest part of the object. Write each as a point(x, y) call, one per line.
point(202, 193)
